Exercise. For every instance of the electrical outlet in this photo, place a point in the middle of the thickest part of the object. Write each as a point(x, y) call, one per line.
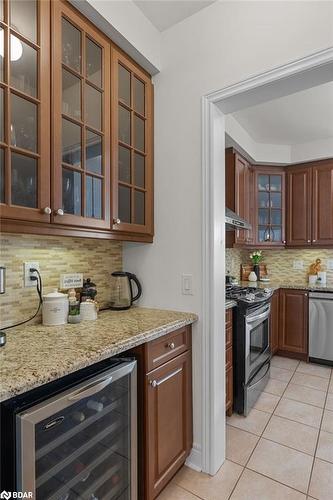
point(187, 285)
point(298, 264)
point(329, 264)
point(26, 274)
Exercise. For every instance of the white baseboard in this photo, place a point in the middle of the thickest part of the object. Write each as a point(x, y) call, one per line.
point(194, 460)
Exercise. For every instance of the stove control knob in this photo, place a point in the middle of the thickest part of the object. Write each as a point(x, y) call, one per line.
point(267, 290)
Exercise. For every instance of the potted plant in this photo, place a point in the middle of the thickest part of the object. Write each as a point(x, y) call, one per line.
point(256, 258)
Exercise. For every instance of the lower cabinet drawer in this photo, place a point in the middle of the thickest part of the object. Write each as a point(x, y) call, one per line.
point(228, 358)
point(164, 349)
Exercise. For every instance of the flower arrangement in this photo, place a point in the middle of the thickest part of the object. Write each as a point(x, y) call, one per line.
point(256, 257)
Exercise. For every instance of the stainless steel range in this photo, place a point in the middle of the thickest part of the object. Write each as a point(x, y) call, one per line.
point(251, 348)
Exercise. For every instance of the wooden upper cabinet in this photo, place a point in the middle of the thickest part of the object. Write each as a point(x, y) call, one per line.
point(299, 200)
point(293, 324)
point(25, 111)
point(81, 121)
point(322, 203)
point(269, 224)
point(132, 122)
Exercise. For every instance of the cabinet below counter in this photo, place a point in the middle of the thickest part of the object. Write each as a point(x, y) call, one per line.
point(35, 355)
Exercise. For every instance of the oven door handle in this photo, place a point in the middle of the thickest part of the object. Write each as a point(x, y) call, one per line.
point(260, 316)
point(268, 363)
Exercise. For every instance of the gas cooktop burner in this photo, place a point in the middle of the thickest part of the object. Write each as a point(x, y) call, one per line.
point(249, 295)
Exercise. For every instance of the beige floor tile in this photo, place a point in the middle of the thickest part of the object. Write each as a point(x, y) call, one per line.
point(290, 467)
point(174, 492)
point(311, 381)
point(321, 484)
point(281, 374)
point(287, 363)
point(325, 447)
point(276, 387)
point(255, 422)
point(306, 395)
point(329, 402)
point(327, 423)
point(299, 412)
point(314, 369)
point(253, 486)
point(240, 444)
point(293, 434)
point(218, 487)
point(266, 402)
point(330, 387)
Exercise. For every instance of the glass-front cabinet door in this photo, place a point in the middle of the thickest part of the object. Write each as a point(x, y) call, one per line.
point(81, 114)
point(24, 110)
point(132, 147)
point(270, 213)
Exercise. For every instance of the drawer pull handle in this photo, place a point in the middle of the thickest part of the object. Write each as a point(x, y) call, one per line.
point(154, 383)
point(171, 345)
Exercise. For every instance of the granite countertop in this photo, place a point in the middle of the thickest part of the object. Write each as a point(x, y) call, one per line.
point(230, 303)
point(37, 354)
point(275, 285)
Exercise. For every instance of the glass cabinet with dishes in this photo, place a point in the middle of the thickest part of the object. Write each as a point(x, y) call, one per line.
point(24, 110)
point(270, 206)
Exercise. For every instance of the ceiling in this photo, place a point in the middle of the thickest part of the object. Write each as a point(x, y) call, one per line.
point(165, 13)
point(295, 119)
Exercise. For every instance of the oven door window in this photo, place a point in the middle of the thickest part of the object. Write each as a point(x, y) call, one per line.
point(259, 341)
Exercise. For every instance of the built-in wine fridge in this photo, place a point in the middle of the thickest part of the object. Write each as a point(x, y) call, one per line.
point(82, 442)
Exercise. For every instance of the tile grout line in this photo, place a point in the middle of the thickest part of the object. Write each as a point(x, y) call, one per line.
point(321, 423)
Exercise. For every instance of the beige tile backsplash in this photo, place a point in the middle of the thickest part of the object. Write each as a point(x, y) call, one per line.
point(280, 262)
point(96, 259)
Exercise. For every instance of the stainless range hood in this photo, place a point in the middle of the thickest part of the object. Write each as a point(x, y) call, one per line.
point(234, 221)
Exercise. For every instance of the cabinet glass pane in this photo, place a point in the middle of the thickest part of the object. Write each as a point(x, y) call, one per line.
point(93, 197)
point(124, 83)
point(139, 207)
point(263, 200)
point(71, 95)
point(139, 96)
point(93, 152)
point(71, 191)
point(263, 234)
point(2, 115)
point(23, 17)
point(71, 45)
point(276, 183)
point(276, 217)
point(93, 62)
point(71, 143)
point(23, 66)
point(263, 182)
point(276, 234)
point(1, 10)
point(124, 125)
point(124, 204)
point(24, 181)
point(124, 164)
point(263, 218)
point(23, 123)
point(2, 176)
point(2, 54)
point(139, 133)
point(276, 200)
point(93, 105)
point(139, 170)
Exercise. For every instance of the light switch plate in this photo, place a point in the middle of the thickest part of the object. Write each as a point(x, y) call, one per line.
point(298, 264)
point(187, 284)
point(329, 264)
point(73, 280)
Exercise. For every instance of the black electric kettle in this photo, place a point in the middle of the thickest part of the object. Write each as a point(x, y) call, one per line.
point(122, 291)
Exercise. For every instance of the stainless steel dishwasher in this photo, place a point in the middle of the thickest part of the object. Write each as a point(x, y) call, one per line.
point(321, 326)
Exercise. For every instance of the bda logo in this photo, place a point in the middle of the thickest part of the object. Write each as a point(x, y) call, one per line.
point(5, 494)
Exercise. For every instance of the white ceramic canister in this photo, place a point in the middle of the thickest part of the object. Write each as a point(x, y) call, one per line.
point(55, 308)
point(88, 310)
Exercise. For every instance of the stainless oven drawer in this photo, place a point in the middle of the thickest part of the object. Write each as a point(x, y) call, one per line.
point(255, 387)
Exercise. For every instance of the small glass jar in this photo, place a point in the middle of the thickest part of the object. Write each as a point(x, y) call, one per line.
point(74, 311)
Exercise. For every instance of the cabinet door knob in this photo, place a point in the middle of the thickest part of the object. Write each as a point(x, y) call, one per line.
point(153, 383)
point(314, 241)
point(171, 345)
point(47, 210)
point(309, 241)
point(284, 242)
point(59, 211)
point(116, 221)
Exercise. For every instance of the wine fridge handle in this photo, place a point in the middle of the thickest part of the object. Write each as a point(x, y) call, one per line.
point(92, 389)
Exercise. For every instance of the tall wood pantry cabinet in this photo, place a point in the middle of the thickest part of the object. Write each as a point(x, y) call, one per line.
point(76, 151)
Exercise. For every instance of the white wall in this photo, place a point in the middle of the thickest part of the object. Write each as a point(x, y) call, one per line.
point(220, 45)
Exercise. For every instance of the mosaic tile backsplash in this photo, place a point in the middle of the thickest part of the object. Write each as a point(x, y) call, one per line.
point(96, 259)
point(280, 263)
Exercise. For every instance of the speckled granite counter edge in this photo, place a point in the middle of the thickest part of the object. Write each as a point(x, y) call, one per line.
point(229, 304)
point(113, 350)
point(290, 286)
